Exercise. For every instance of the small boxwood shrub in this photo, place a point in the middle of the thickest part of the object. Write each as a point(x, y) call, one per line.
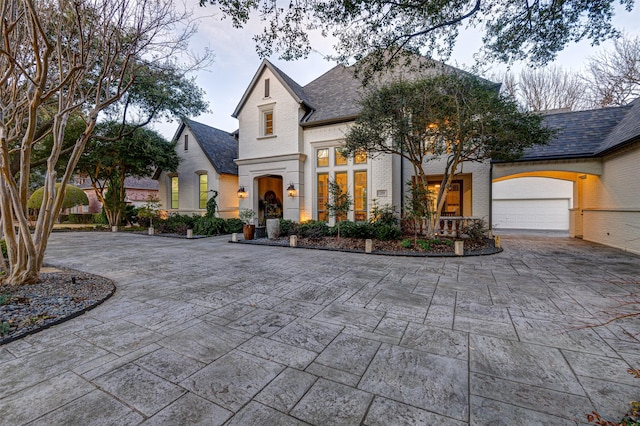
point(313, 229)
point(209, 226)
point(288, 227)
point(177, 223)
point(233, 225)
point(387, 232)
point(80, 218)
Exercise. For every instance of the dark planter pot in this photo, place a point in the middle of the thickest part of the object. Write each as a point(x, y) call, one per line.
point(248, 231)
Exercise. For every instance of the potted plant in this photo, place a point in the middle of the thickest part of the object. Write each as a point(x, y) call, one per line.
point(248, 229)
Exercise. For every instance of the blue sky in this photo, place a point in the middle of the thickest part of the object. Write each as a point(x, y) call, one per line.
point(236, 61)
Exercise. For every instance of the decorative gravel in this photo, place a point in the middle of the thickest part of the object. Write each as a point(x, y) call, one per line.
point(59, 296)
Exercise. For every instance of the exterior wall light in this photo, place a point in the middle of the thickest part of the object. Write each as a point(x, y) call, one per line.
point(242, 193)
point(291, 190)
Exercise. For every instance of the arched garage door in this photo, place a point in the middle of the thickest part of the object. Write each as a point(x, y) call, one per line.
point(532, 203)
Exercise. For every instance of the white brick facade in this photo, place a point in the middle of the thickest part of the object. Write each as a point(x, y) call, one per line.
point(193, 163)
point(611, 202)
point(288, 156)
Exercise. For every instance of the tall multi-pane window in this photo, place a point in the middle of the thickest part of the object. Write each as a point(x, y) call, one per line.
point(204, 191)
point(323, 195)
point(360, 195)
point(174, 192)
point(341, 180)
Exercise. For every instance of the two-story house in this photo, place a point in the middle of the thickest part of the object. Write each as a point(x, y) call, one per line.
point(289, 141)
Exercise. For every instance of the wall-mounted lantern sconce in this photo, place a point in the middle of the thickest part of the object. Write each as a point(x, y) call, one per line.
point(242, 193)
point(291, 190)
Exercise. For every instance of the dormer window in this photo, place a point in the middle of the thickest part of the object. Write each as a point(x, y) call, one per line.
point(266, 88)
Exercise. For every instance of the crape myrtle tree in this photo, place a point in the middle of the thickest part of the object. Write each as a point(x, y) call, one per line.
point(533, 30)
point(116, 152)
point(453, 117)
point(59, 59)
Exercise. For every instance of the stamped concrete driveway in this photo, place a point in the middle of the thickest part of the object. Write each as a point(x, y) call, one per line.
point(207, 332)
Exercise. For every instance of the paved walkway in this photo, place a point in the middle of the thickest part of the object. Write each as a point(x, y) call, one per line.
point(206, 332)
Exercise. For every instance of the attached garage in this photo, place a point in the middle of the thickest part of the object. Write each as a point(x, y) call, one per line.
point(532, 203)
point(548, 214)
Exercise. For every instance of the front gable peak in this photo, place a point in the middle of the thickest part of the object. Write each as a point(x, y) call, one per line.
point(292, 87)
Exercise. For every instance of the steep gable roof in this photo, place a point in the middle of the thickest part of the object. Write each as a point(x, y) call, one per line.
point(220, 147)
point(626, 131)
point(292, 87)
point(336, 94)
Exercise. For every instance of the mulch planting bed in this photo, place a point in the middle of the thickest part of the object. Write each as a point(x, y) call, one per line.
point(392, 247)
point(59, 296)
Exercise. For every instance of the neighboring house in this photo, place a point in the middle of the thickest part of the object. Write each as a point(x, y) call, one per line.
point(597, 153)
point(137, 191)
point(289, 137)
point(207, 164)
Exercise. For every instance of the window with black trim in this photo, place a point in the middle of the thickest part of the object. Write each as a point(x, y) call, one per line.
point(186, 142)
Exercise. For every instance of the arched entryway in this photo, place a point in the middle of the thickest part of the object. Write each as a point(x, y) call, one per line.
point(270, 191)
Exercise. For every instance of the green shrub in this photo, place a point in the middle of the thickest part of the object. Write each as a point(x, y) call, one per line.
point(387, 232)
point(288, 227)
point(233, 225)
point(476, 230)
point(424, 245)
point(80, 218)
point(440, 242)
point(313, 229)
point(177, 224)
point(3, 247)
point(406, 243)
point(384, 215)
point(63, 218)
point(100, 218)
point(130, 214)
point(207, 225)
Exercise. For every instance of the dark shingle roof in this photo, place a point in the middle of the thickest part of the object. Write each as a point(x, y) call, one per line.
point(140, 183)
point(627, 130)
point(220, 147)
point(579, 133)
point(336, 95)
point(588, 133)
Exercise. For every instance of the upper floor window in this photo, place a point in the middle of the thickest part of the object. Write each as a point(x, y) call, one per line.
point(268, 123)
point(186, 142)
point(322, 156)
point(266, 88)
point(360, 157)
point(340, 159)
